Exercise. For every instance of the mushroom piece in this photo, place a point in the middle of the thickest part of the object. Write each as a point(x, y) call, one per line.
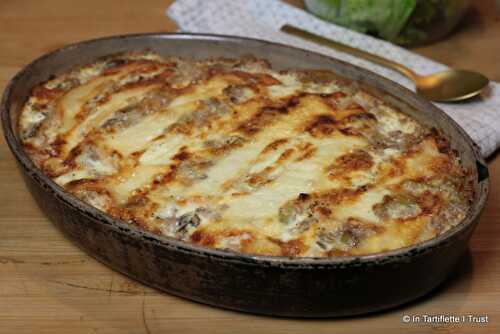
point(187, 221)
point(399, 207)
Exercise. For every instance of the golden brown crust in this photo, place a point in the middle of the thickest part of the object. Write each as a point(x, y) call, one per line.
point(230, 154)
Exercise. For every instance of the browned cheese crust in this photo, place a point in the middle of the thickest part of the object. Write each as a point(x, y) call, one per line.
point(231, 154)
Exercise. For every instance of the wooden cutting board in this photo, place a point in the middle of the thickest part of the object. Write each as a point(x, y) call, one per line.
point(48, 285)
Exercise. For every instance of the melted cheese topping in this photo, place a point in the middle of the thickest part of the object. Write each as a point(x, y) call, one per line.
point(234, 155)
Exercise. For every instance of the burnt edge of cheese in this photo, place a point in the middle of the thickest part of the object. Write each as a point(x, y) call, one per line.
point(231, 154)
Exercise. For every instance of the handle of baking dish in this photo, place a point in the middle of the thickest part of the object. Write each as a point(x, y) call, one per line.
point(482, 171)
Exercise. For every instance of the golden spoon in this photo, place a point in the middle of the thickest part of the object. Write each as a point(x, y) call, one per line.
point(446, 86)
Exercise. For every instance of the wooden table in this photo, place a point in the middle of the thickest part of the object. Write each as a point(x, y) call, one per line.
point(48, 285)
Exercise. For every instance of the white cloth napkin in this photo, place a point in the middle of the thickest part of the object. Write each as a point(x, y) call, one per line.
point(263, 18)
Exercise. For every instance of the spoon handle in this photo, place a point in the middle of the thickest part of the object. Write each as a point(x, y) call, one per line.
point(350, 50)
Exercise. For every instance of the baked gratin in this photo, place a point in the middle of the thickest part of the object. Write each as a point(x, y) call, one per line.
point(232, 154)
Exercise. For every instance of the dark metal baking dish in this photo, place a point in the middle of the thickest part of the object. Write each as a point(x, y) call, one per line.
point(301, 287)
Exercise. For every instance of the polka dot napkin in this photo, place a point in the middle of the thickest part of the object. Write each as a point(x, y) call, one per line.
point(263, 18)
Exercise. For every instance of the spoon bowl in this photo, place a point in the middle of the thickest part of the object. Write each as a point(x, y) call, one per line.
point(451, 85)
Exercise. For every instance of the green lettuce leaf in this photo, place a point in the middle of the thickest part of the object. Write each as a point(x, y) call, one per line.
point(383, 18)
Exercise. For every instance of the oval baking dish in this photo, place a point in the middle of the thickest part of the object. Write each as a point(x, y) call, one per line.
point(301, 287)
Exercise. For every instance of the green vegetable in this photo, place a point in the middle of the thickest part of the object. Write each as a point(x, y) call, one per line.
point(384, 18)
point(431, 19)
point(400, 21)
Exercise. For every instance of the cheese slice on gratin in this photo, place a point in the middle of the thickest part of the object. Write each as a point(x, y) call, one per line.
point(231, 154)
